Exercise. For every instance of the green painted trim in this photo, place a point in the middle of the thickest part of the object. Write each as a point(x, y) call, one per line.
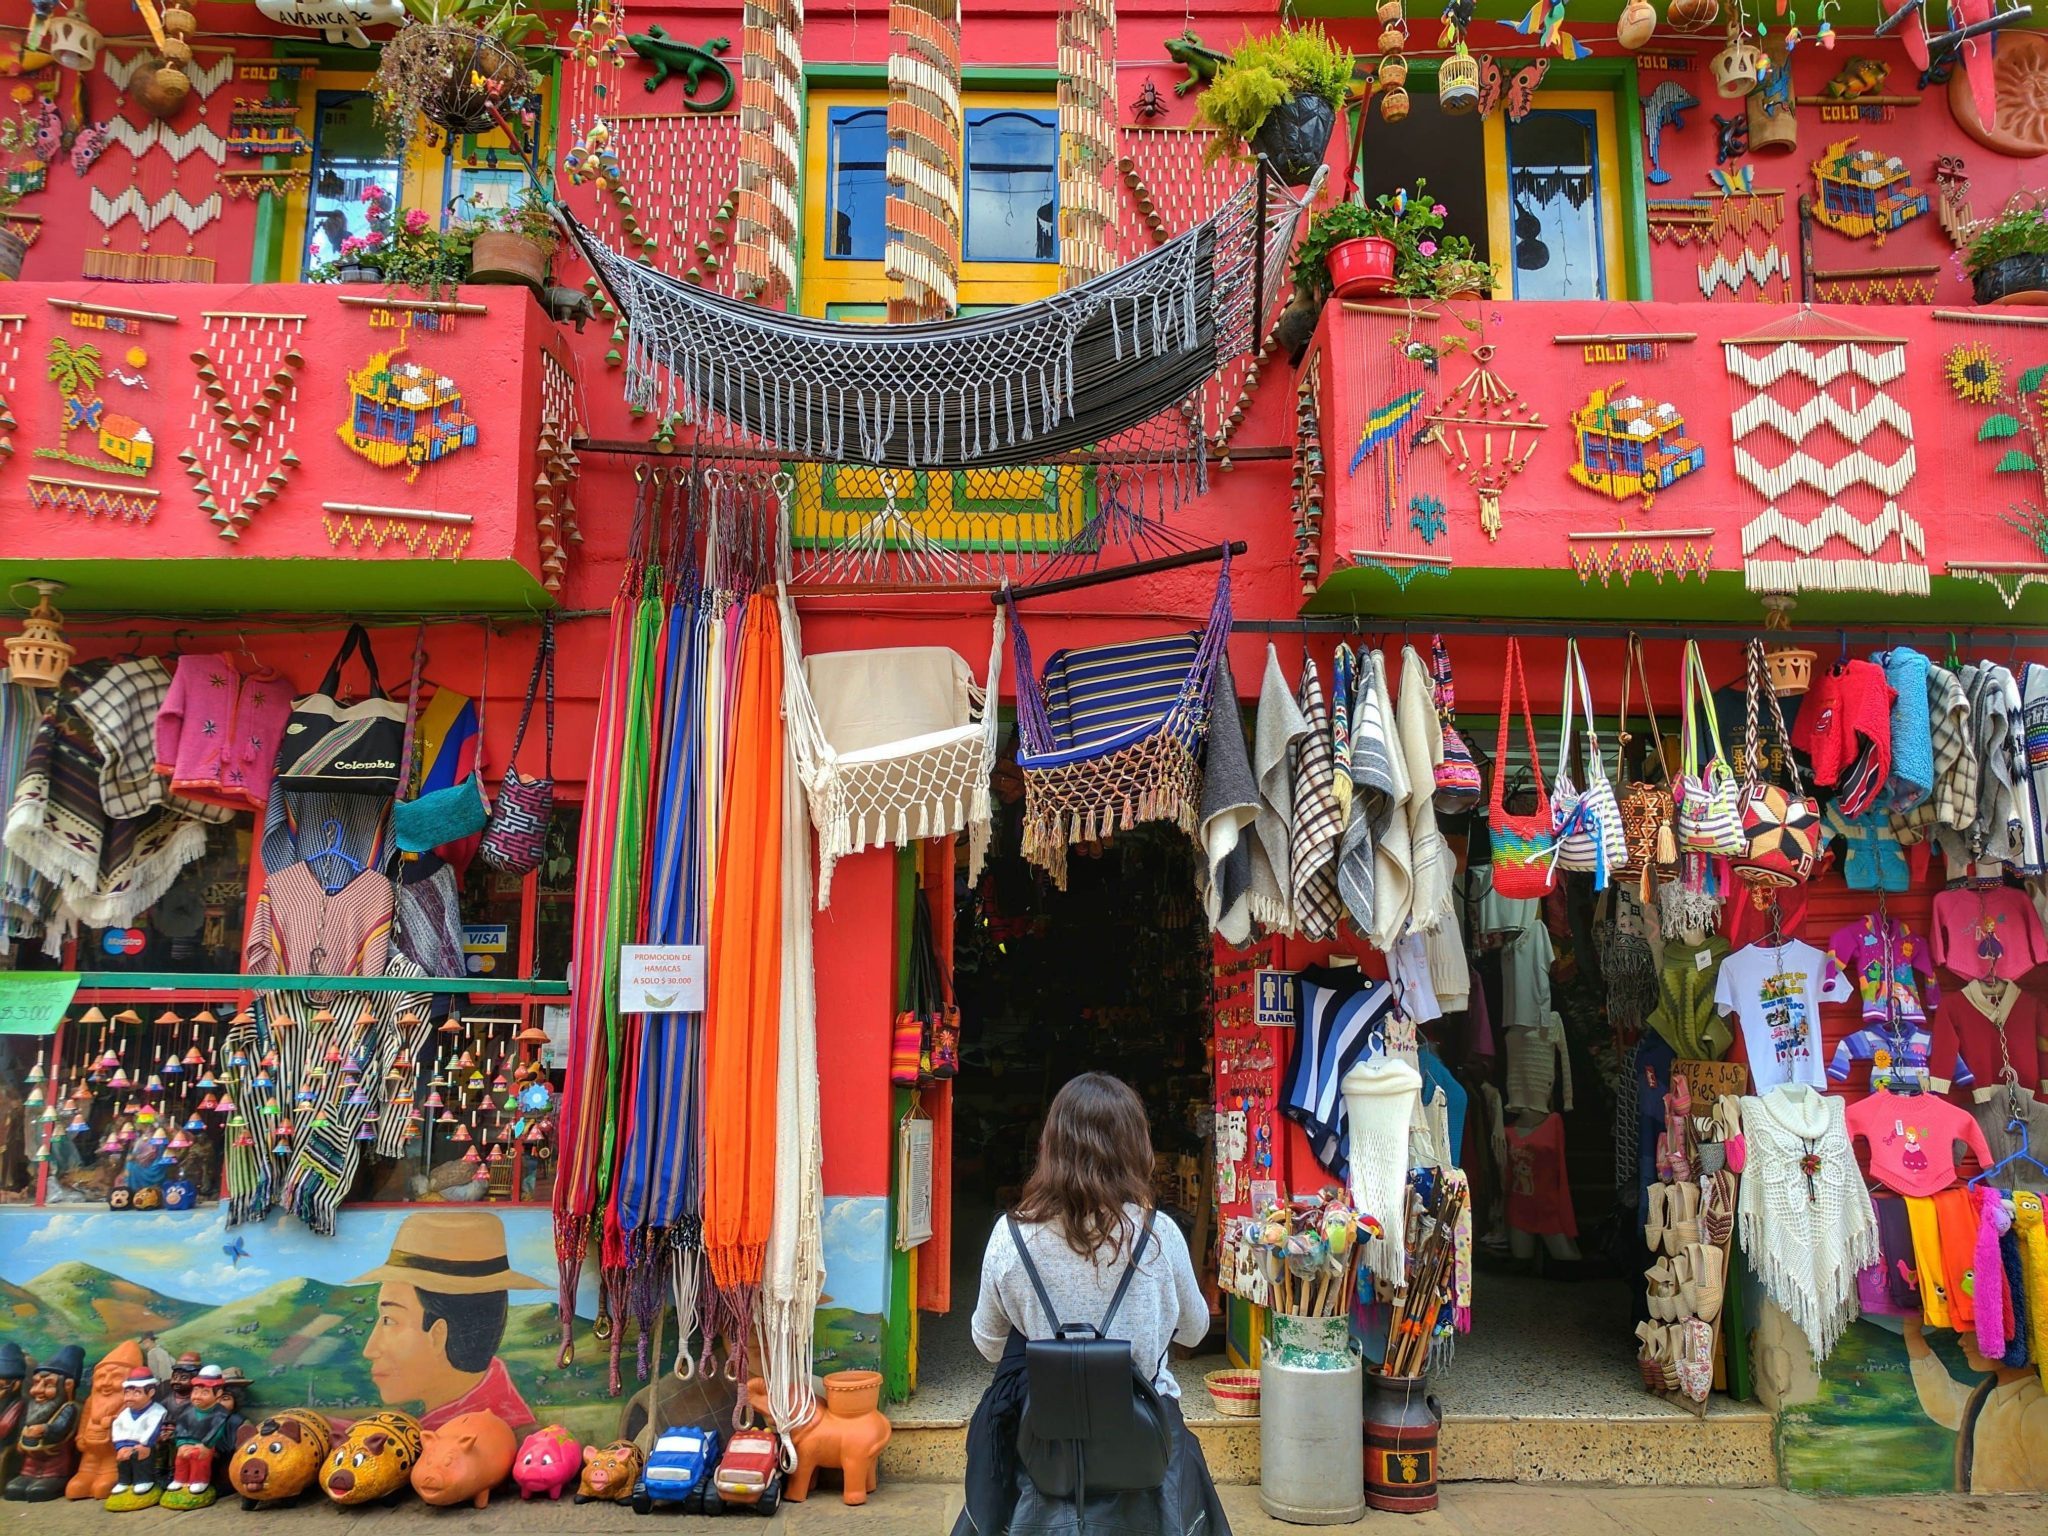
point(1635, 210)
point(226, 982)
point(294, 586)
point(898, 1379)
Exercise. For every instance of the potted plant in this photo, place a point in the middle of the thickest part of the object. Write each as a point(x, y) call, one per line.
point(1452, 271)
point(459, 66)
point(515, 243)
point(2007, 256)
point(400, 250)
point(1354, 249)
point(1278, 96)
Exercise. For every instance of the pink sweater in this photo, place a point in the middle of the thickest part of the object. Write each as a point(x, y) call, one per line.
point(218, 732)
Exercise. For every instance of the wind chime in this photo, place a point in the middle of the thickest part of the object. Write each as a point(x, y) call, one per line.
point(1087, 102)
point(153, 196)
point(1488, 432)
point(10, 355)
point(764, 209)
point(1306, 485)
point(554, 491)
point(248, 371)
point(923, 215)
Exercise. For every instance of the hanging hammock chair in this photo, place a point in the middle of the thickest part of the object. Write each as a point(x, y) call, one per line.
point(1112, 735)
point(1014, 385)
point(893, 745)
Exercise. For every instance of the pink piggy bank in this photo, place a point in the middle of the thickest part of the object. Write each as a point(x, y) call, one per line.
point(548, 1462)
point(464, 1460)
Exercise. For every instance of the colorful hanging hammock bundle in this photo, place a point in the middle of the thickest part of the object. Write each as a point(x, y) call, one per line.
point(1112, 735)
point(745, 981)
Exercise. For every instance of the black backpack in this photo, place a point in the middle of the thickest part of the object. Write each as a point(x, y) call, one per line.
point(1092, 1421)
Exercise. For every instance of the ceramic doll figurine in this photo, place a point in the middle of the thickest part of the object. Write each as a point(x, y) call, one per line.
point(49, 1426)
point(139, 1430)
point(203, 1430)
point(13, 1403)
point(183, 1369)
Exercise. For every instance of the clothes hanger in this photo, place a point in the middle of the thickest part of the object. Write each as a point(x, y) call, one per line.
point(334, 850)
point(2017, 1124)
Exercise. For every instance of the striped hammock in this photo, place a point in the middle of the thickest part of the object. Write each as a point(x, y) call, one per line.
point(1112, 735)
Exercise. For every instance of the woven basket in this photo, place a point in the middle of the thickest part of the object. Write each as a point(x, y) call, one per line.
point(1235, 1393)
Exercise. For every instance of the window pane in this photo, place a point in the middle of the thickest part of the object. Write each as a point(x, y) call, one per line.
point(350, 154)
point(1446, 150)
point(1554, 201)
point(859, 139)
point(1012, 185)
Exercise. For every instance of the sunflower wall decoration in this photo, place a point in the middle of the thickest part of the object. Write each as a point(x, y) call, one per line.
point(2018, 419)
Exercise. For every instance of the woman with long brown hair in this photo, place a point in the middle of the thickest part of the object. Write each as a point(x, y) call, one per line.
point(1086, 1221)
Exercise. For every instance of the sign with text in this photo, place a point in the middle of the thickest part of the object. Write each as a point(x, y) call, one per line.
point(1275, 999)
point(33, 1002)
point(661, 978)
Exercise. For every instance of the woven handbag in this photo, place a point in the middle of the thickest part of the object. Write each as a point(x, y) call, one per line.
point(1645, 807)
point(1708, 800)
point(344, 749)
point(1457, 776)
point(1781, 828)
point(1587, 822)
point(516, 839)
point(1524, 847)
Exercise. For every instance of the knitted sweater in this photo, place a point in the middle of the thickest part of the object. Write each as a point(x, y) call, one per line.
point(1849, 705)
point(1912, 736)
point(218, 731)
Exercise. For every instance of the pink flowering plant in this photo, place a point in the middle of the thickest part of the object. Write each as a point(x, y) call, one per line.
point(405, 250)
point(1411, 219)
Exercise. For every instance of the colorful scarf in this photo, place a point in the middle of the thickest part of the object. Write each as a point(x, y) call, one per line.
point(26, 898)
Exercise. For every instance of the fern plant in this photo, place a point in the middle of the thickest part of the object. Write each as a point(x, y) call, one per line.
point(1266, 71)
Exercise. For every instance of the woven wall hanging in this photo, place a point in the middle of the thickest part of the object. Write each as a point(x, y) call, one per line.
point(1864, 193)
point(403, 414)
point(1488, 432)
point(1621, 556)
point(2016, 424)
point(169, 190)
point(1825, 443)
point(240, 429)
point(96, 428)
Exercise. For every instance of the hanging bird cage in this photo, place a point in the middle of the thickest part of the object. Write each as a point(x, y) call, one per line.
point(1457, 83)
point(40, 656)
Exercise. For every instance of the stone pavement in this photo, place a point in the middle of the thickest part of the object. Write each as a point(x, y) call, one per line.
point(927, 1509)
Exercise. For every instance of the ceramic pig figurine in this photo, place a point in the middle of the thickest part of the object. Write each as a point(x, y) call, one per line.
point(464, 1460)
point(609, 1472)
point(548, 1463)
point(281, 1459)
point(373, 1459)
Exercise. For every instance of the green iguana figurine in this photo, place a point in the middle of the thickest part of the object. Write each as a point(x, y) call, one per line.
point(1201, 61)
point(670, 57)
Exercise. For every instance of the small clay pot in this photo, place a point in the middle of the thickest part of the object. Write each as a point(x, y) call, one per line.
point(1636, 25)
point(849, 1393)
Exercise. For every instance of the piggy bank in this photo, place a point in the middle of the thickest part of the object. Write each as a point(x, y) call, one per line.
point(280, 1460)
point(609, 1472)
point(547, 1462)
point(464, 1460)
point(374, 1458)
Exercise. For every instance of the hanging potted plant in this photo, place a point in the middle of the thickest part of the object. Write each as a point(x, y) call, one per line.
point(1356, 249)
point(1278, 96)
point(2007, 256)
point(459, 66)
point(514, 244)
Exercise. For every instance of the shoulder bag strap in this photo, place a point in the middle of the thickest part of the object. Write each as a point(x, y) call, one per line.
point(1130, 1272)
point(1688, 723)
point(1052, 1317)
point(1565, 756)
point(547, 639)
point(1586, 704)
point(1751, 759)
point(1649, 704)
point(357, 641)
point(407, 768)
point(1621, 723)
point(1760, 674)
point(1706, 697)
point(1529, 734)
point(1497, 791)
point(542, 658)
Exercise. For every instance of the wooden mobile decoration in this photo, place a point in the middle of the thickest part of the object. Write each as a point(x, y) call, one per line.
point(1488, 432)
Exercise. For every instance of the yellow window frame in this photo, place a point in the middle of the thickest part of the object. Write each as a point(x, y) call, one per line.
point(1500, 216)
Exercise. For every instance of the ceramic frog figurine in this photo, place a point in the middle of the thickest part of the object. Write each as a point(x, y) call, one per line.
point(1201, 61)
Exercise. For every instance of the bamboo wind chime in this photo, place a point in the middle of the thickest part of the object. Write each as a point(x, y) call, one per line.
point(765, 211)
point(1087, 98)
point(1484, 411)
point(922, 258)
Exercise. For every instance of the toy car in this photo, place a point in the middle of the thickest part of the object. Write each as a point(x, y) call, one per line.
point(678, 1472)
point(749, 1475)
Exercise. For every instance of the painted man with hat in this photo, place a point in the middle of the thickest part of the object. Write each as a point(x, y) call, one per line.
point(441, 1309)
point(203, 1428)
point(49, 1426)
point(138, 1436)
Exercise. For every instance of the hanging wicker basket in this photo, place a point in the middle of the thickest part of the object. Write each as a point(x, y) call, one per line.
point(472, 79)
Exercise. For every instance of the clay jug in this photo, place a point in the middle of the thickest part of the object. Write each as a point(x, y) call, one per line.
point(1401, 1424)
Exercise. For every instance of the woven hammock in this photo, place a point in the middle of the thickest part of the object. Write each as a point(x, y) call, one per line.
point(1014, 385)
point(1112, 735)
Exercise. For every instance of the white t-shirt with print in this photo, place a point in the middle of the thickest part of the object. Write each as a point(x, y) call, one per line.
point(1776, 993)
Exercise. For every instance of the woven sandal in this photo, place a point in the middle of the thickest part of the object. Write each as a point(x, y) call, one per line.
point(1653, 1221)
point(1683, 1212)
point(1646, 1357)
point(1717, 1215)
point(1692, 1354)
point(1709, 1272)
point(1681, 1270)
point(1662, 1291)
point(1667, 1358)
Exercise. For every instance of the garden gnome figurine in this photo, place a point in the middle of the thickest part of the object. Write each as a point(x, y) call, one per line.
point(13, 1402)
point(138, 1431)
point(202, 1428)
point(94, 1478)
point(49, 1427)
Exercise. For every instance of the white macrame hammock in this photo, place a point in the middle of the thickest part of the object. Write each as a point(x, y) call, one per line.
point(932, 782)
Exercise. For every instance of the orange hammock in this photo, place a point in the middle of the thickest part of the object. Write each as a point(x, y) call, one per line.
point(745, 965)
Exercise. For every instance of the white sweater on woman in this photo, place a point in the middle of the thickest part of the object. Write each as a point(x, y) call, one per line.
point(1164, 1303)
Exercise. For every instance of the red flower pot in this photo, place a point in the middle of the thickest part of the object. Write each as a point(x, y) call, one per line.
point(1361, 266)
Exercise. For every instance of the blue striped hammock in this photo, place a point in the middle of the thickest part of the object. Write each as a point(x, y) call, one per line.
point(1111, 735)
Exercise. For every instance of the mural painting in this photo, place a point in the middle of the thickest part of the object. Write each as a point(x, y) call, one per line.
point(847, 1335)
point(435, 1313)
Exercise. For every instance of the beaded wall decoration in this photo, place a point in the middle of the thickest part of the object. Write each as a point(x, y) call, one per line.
point(1952, 199)
point(1621, 556)
point(1306, 484)
point(130, 503)
point(169, 190)
point(1875, 285)
point(1740, 221)
point(1630, 446)
point(554, 491)
point(240, 426)
point(666, 191)
point(421, 532)
point(96, 429)
point(2016, 424)
point(1824, 439)
point(10, 357)
point(268, 125)
point(1663, 112)
point(1864, 193)
point(1488, 432)
point(404, 414)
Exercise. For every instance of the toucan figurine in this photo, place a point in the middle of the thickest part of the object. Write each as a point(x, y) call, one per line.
point(1545, 23)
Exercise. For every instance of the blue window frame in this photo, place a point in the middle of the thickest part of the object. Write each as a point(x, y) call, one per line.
point(1554, 176)
point(1012, 185)
point(856, 169)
